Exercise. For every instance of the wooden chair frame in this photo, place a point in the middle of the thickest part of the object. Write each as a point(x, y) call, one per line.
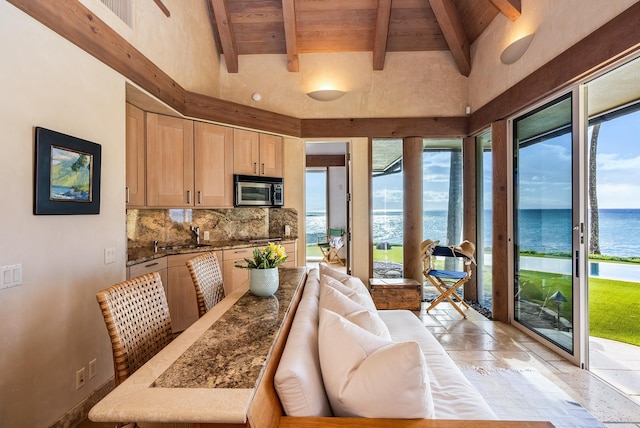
point(329, 251)
point(445, 281)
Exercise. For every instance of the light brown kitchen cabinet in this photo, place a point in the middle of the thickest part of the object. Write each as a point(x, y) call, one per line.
point(290, 248)
point(236, 278)
point(213, 165)
point(189, 164)
point(183, 305)
point(169, 161)
point(136, 154)
point(157, 265)
point(257, 154)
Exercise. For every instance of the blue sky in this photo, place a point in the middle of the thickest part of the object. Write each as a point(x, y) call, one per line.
point(545, 174)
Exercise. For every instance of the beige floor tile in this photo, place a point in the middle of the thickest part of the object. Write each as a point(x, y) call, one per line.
point(600, 399)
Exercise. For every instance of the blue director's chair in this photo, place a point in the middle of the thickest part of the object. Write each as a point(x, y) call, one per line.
point(447, 281)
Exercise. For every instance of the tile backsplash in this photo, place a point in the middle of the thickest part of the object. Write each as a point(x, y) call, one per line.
point(172, 226)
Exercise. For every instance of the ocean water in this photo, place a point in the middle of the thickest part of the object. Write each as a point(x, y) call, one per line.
point(539, 230)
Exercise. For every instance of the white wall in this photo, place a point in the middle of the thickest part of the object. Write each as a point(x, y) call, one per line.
point(557, 25)
point(51, 325)
point(181, 45)
point(412, 84)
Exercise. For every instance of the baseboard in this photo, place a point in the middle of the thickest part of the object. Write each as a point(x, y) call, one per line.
point(74, 416)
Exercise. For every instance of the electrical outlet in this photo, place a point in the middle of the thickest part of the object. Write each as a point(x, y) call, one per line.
point(80, 378)
point(109, 255)
point(93, 368)
point(206, 235)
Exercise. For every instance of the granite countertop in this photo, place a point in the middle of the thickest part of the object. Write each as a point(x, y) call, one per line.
point(210, 372)
point(137, 255)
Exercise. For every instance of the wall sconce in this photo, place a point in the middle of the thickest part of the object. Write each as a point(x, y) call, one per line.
point(326, 94)
point(515, 50)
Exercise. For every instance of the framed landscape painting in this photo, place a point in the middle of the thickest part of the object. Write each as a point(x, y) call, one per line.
point(67, 174)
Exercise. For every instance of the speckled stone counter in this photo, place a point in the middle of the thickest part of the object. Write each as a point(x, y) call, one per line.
point(210, 372)
point(137, 255)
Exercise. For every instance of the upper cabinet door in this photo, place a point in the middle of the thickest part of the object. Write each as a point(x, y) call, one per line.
point(246, 152)
point(169, 161)
point(270, 155)
point(135, 163)
point(213, 165)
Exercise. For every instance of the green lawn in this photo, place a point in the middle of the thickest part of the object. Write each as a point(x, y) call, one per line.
point(614, 306)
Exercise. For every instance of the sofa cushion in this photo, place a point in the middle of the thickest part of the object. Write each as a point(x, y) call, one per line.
point(368, 376)
point(361, 297)
point(453, 395)
point(298, 380)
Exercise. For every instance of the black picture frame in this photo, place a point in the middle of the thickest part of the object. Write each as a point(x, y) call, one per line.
point(66, 174)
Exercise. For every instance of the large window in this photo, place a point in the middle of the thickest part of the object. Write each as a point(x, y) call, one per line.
point(441, 199)
point(484, 217)
point(316, 212)
point(387, 205)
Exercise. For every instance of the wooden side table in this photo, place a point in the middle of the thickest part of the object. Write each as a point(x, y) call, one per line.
point(396, 293)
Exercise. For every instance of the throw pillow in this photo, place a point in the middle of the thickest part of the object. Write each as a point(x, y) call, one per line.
point(361, 297)
point(367, 376)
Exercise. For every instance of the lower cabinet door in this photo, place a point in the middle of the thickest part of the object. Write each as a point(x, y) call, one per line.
point(181, 297)
point(236, 278)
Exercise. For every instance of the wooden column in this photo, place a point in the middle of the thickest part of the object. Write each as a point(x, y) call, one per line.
point(500, 240)
point(469, 201)
point(412, 168)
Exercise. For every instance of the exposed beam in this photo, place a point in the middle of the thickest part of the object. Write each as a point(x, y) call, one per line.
point(227, 39)
point(451, 26)
point(512, 9)
point(381, 33)
point(290, 34)
point(434, 127)
point(163, 8)
point(325, 160)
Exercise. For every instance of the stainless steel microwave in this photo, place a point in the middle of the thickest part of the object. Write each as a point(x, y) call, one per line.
point(257, 191)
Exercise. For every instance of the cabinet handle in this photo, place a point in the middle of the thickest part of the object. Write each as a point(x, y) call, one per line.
point(127, 197)
point(199, 197)
point(152, 264)
point(263, 170)
point(255, 167)
point(188, 196)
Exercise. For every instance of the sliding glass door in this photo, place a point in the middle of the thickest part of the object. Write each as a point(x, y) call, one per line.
point(548, 229)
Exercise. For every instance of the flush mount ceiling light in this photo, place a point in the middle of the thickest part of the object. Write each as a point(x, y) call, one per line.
point(515, 50)
point(326, 94)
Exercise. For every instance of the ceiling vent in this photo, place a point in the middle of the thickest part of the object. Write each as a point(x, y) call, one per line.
point(122, 8)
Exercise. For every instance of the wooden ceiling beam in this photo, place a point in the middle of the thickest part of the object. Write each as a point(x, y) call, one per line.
point(451, 26)
point(225, 30)
point(291, 34)
point(512, 9)
point(381, 33)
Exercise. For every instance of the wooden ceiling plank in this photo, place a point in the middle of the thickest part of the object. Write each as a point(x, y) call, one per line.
point(290, 34)
point(449, 21)
point(512, 9)
point(381, 33)
point(225, 30)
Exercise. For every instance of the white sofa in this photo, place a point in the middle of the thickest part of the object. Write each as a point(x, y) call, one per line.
point(300, 384)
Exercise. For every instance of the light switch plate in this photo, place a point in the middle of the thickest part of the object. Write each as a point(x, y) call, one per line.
point(109, 255)
point(10, 276)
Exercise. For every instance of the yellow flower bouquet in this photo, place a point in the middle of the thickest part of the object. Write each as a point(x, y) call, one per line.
point(270, 256)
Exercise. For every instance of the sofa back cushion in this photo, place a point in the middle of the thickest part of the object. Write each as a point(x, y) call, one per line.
point(298, 380)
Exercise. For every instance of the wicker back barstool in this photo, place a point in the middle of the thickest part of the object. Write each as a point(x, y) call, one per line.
point(207, 279)
point(137, 317)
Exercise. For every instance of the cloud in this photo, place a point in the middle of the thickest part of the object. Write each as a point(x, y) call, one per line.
point(613, 162)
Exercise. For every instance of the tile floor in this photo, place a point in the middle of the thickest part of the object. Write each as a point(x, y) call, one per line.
point(610, 393)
